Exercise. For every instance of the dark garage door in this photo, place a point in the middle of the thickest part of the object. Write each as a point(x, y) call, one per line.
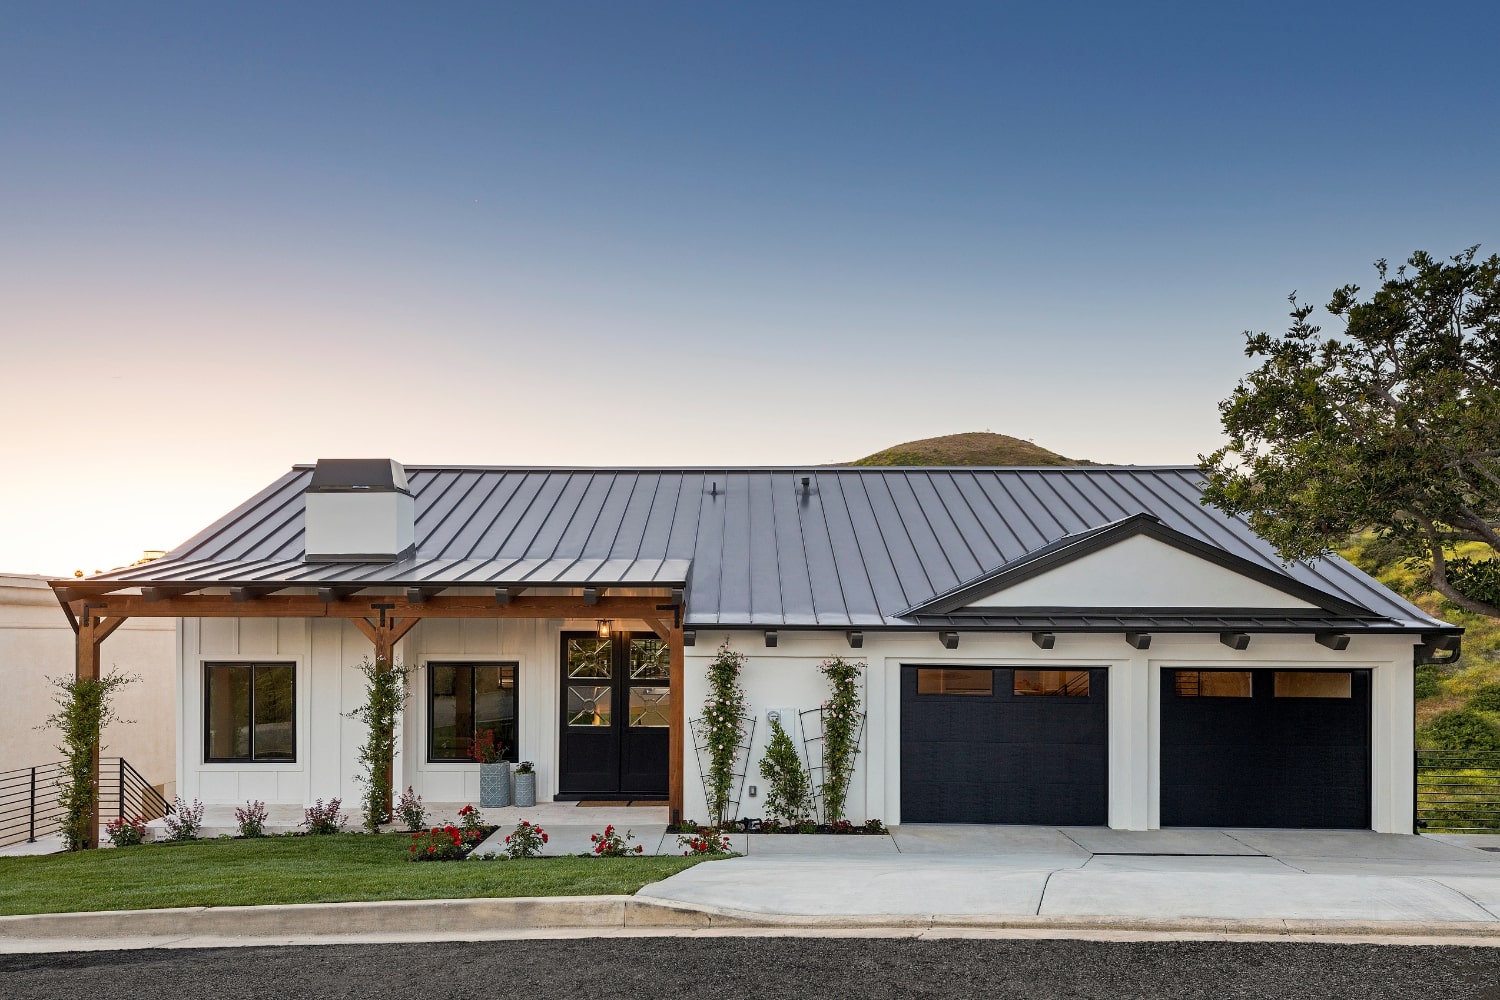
point(1265, 748)
point(1004, 745)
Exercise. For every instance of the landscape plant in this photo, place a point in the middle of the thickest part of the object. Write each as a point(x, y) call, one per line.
point(470, 819)
point(410, 810)
point(486, 749)
point(84, 708)
point(385, 695)
point(722, 729)
point(126, 831)
point(526, 767)
point(610, 844)
point(842, 722)
point(705, 843)
point(525, 841)
point(788, 785)
point(441, 843)
point(251, 819)
point(322, 820)
point(184, 822)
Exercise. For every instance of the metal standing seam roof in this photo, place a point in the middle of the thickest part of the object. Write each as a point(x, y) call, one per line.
point(855, 547)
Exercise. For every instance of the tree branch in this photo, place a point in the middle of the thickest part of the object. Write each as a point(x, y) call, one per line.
point(1439, 576)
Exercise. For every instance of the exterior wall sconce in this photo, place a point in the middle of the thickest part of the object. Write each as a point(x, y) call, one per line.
point(604, 624)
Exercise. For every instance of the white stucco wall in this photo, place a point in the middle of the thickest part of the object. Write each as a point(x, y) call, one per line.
point(36, 643)
point(786, 678)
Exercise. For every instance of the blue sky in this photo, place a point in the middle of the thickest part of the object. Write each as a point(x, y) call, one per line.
point(557, 233)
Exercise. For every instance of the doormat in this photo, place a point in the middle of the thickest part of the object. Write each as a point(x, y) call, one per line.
point(618, 803)
point(602, 802)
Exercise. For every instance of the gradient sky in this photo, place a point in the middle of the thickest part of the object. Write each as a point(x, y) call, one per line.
point(236, 238)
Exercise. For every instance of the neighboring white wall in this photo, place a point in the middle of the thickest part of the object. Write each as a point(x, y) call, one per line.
point(786, 677)
point(37, 643)
point(1139, 572)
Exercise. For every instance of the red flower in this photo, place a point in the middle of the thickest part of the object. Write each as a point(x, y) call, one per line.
point(544, 838)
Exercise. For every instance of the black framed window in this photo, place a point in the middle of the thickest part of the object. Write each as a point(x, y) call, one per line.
point(465, 699)
point(249, 712)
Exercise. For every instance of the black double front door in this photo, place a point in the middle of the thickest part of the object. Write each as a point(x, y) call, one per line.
point(616, 716)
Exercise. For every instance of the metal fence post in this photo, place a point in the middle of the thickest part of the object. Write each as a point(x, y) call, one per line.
point(31, 827)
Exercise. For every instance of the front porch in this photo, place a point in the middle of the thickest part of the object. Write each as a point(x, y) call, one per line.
point(296, 654)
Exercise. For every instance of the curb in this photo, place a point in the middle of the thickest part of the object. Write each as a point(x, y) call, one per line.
point(456, 917)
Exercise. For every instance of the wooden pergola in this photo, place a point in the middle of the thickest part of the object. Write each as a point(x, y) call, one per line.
point(95, 613)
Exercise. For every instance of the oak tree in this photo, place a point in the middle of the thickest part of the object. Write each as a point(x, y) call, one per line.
point(1392, 423)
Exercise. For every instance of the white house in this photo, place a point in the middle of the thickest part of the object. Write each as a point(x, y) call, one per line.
point(1071, 646)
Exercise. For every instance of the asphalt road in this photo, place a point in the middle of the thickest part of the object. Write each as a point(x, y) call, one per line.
point(759, 967)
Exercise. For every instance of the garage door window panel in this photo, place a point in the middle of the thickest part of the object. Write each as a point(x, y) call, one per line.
point(1314, 684)
point(1058, 683)
point(955, 681)
point(1214, 684)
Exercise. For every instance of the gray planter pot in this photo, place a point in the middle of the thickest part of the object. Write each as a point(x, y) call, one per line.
point(526, 789)
point(494, 785)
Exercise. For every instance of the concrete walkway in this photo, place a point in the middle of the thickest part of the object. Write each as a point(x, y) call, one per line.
point(941, 872)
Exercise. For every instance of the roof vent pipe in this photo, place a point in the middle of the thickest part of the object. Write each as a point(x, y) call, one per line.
point(358, 510)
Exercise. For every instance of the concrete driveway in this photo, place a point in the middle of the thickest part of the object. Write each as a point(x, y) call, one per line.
point(1014, 871)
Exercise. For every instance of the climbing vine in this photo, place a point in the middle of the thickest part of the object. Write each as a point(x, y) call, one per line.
point(83, 710)
point(788, 790)
point(385, 696)
point(841, 730)
point(723, 720)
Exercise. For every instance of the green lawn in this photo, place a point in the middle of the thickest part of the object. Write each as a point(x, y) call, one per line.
point(328, 869)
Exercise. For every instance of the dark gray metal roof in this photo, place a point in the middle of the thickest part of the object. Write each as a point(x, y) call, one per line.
point(856, 547)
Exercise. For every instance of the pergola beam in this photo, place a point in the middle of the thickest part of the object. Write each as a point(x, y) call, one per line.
point(364, 606)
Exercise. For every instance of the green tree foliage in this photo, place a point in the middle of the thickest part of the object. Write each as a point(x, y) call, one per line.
point(385, 696)
point(1463, 729)
point(1427, 683)
point(1486, 699)
point(83, 710)
point(1392, 424)
point(788, 787)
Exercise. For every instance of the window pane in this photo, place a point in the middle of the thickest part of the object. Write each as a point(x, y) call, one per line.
point(588, 706)
point(228, 709)
point(1314, 684)
point(590, 658)
point(944, 680)
point(274, 712)
point(650, 707)
point(452, 711)
point(1064, 683)
point(495, 704)
point(650, 660)
point(1213, 684)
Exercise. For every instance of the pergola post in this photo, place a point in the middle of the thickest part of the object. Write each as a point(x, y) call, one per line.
point(91, 633)
point(384, 634)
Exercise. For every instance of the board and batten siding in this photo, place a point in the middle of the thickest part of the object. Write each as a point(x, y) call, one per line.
point(785, 678)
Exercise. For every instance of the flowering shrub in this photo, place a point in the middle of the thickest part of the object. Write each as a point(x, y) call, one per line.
point(486, 749)
point(441, 843)
point(470, 819)
point(722, 727)
point(841, 729)
point(525, 841)
point(409, 809)
point(610, 844)
point(185, 821)
point(709, 843)
point(251, 819)
point(320, 819)
point(126, 832)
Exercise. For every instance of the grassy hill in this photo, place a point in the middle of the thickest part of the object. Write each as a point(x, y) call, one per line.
point(1458, 707)
point(973, 448)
